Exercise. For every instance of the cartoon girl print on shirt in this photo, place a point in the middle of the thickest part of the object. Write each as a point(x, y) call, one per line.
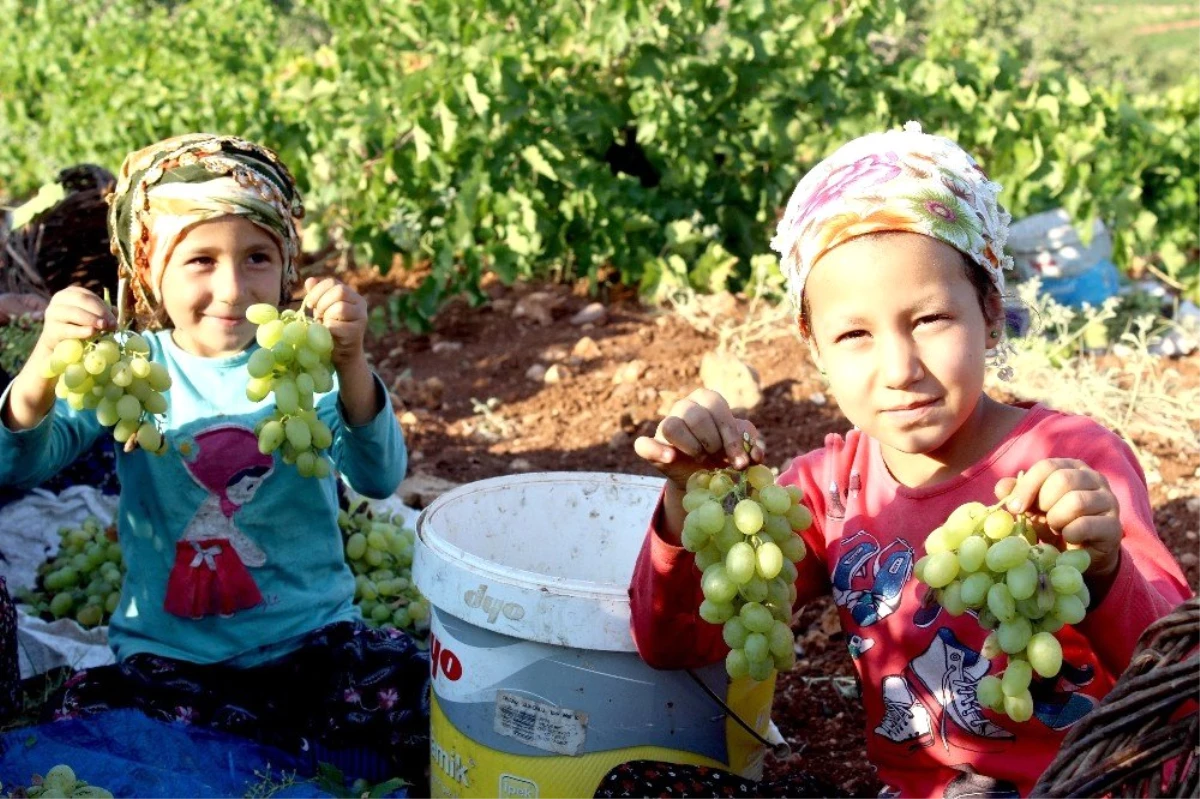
point(210, 574)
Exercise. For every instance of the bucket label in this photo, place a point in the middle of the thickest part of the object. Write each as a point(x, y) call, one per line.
point(452, 764)
point(546, 727)
point(491, 606)
point(513, 787)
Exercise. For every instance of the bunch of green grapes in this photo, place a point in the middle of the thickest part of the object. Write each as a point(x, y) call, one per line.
point(112, 374)
point(985, 559)
point(61, 781)
point(744, 530)
point(83, 579)
point(379, 549)
point(294, 363)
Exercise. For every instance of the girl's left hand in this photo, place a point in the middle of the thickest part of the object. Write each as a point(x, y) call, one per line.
point(1071, 504)
point(344, 311)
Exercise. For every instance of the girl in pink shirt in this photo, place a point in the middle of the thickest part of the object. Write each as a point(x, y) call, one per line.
point(893, 249)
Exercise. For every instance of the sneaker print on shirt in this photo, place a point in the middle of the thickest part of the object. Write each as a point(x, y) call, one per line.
point(970, 785)
point(868, 582)
point(1056, 702)
point(859, 645)
point(905, 719)
point(949, 672)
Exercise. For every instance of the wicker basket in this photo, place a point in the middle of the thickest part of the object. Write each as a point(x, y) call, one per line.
point(1144, 737)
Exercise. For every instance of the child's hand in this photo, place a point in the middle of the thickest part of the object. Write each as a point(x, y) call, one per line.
point(700, 432)
point(344, 311)
point(75, 313)
point(1071, 501)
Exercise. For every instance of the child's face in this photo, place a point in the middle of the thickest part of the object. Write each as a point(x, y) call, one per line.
point(244, 489)
point(216, 271)
point(898, 326)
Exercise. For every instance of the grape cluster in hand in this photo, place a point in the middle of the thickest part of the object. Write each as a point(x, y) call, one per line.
point(985, 559)
point(294, 363)
point(112, 374)
point(744, 530)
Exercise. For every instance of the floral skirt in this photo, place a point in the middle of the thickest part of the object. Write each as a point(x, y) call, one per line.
point(352, 696)
point(10, 672)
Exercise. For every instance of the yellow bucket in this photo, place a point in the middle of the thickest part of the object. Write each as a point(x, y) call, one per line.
point(537, 687)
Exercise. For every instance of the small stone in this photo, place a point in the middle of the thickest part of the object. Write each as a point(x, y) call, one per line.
point(586, 348)
point(416, 455)
point(1174, 493)
point(520, 465)
point(538, 306)
point(536, 373)
point(624, 391)
point(629, 372)
point(1193, 505)
point(440, 347)
point(409, 419)
point(556, 374)
point(818, 399)
point(395, 352)
point(1189, 559)
point(733, 379)
point(1192, 535)
point(593, 314)
point(666, 401)
point(554, 354)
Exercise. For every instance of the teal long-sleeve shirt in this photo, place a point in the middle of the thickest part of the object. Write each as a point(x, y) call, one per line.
point(230, 555)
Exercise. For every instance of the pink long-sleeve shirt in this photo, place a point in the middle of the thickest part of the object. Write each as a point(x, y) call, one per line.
point(918, 665)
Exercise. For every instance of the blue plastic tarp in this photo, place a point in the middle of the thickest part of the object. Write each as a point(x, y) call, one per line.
point(132, 755)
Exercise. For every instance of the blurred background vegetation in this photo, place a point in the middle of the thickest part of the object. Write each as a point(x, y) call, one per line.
point(650, 143)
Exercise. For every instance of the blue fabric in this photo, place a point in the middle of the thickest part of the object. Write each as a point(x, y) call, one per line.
point(129, 754)
point(1094, 285)
point(246, 552)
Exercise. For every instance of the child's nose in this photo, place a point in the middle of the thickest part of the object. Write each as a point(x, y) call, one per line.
point(229, 284)
point(900, 362)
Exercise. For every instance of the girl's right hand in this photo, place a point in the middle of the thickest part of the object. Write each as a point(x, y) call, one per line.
point(700, 432)
point(75, 313)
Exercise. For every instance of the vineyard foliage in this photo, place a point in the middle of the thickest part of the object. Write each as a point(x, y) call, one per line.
point(647, 142)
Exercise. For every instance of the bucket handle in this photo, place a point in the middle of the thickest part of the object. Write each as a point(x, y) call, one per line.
point(780, 749)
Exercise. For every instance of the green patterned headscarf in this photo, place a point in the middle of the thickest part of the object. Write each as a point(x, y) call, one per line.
point(167, 188)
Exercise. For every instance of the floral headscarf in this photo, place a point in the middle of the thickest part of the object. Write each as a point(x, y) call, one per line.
point(165, 189)
point(899, 180)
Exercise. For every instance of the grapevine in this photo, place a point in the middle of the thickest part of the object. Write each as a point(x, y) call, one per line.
point(744, 530)
point(985, 559)
point(293, 362)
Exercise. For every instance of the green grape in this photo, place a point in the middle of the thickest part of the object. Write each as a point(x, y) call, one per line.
point(717, 585)
point(991, 646)
point(760, 476)
point(693, 538)
point(757, 647)
point(270, 437)
point(774, 499)
point(919, 567)
point(1000, 603)
point(990, 693)
point(261, 363)
point(935, 542)
point(720, 485)
point(737, 665)
point(708, 556)
point(776, 528)
point(698, 481)
point(261, 313)
point(694, 498)
point(941, 569)
point(728, 535)
point(1078, 559)
point(1014, 635)
point(1019, 708)
point(1030, 609)
point(734, 633)
point(769, 559)
point(149, 438)
point(951, 599)
point(761, 670)
point(756, 617)
point(1016, 677)
point(998, 524)
point(1022, 580)
point(786, 661)
point(799, 516)
point(748, 516)
point(68, 351)
point(61, 604)
point(710, 517)
point(1066, 579)
point(1045, 654)
point(269, 333)
point(779, 592)
point(1007, 553)
point(1044, 556)
point(1069, 609)
point(740, 562)
point(975, 589)
point(754, 590)
point(793, 550)
point(971, 553)
point(780, 639)
point(716, 612)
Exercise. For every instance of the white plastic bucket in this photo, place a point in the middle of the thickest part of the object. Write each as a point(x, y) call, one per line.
point(537, 686)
